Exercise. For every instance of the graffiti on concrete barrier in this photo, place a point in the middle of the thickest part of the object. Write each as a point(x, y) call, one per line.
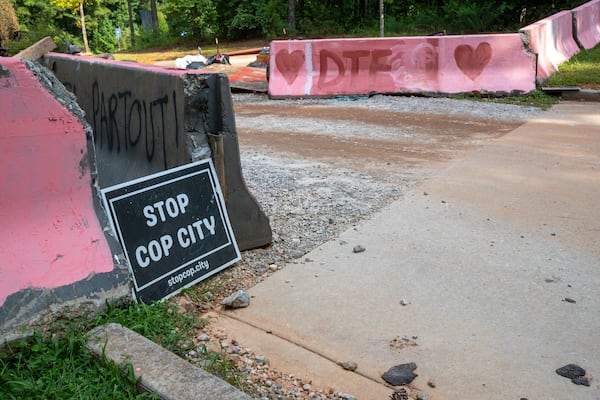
point(472, 61)
point(289, 64)
point(447, 64)
point(123, 122)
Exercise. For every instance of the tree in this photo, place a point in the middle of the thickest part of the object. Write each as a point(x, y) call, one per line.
point(381, 19)
point(8, 22)
point(292, 15)
point(154, 13)
point(131, 28)
point(73, 5)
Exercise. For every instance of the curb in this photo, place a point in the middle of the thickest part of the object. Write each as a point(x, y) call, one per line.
point(158, 370)
point(573, 93)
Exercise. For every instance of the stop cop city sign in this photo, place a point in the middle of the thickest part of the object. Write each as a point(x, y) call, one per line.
point(173, 227)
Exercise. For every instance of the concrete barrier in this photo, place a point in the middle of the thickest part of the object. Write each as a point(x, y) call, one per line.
point(54, 257)
point(437, 64)
point(147, 119)
point(552, 40)
point(587, 24)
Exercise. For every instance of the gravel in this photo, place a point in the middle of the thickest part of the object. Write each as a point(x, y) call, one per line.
point(427, 105)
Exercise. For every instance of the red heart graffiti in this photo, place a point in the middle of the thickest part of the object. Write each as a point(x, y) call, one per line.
point(289, 64)
point(472, 62)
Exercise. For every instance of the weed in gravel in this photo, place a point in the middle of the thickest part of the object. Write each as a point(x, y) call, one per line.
point(536, 98)
point(217, 364)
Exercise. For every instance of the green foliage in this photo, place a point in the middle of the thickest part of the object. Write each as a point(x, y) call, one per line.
point(71, 5)
point(203, 20)
point(220, 366)
point(155, 38)
point(251, 19)
point(463, 17)
point(159, 322)
point(534, 99)
point(582, 70)
point(62, 368)
point(192, 18)
point(537, 98)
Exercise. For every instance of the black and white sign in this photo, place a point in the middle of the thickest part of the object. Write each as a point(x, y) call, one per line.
point(173, 227)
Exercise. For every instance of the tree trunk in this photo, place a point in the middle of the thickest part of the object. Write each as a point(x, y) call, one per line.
point(292, 16)
point(83, 31)
point(381, 19)
point(154, 13)
point(131, 29)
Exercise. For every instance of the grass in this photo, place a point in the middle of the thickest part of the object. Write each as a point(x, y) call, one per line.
point(582, 70)
point(536, 98)
point(61, 367)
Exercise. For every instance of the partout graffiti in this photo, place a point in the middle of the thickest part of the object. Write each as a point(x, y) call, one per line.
point(122, 121)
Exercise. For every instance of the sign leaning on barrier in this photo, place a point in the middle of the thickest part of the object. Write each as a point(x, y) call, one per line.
point(173, 227)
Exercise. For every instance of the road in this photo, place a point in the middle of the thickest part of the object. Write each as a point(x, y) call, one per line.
point(381, 142)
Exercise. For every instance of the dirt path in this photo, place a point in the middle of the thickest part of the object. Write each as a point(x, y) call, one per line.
point(374, 141)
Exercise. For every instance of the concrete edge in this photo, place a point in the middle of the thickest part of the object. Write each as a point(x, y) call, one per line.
point(582, 95)
point(289, 354)
point(159, 370)
point(573, 93)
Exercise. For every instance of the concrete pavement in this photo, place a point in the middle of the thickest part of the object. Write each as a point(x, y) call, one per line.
point(485, 253)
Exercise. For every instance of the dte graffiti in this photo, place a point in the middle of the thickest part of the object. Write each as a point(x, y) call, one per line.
point(348, 66)
point(122, 121)
point(387, 65)
point(377, 61)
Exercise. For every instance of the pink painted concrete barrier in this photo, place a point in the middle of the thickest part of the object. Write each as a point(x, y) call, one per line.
point(551, 39)
point(445, 64)
point(587, 24)
point(50, 233)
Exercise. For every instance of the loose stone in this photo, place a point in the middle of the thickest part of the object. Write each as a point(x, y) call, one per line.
point(422, 396)
point(400, 374)
point(571, 371)
point(348, 365)
point(239, 299)
point(399, 394)
point(203, 337)
point(358, 249)
point(262, 360)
